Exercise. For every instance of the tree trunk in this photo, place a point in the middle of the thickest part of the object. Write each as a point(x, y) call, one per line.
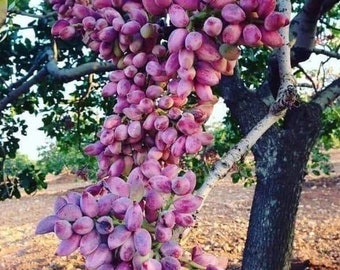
point(281, 160)
point(281, 156)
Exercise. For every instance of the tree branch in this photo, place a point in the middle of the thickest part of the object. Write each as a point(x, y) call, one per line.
point(327, 53)
point(301, 69)
point(36, 16)
point(67, 75)
point(23, 89)
point(287, 93)
point(303, 28)
point(51, 69)
point(222, 166)
point(37, 62)
point(328, 95)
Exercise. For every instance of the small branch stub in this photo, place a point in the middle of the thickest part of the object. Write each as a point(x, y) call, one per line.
point(286, 99)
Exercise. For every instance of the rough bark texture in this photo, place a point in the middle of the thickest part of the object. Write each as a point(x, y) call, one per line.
point(281, 156)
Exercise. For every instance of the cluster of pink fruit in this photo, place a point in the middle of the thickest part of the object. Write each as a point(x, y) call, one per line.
point(169, 54)
point(116, 223)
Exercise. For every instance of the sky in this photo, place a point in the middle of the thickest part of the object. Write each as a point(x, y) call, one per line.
point(35, 138)
point(29, 144)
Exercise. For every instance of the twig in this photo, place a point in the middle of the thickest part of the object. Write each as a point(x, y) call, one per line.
point(327, 96)
point(67, 75)
point(23, 89)
point(328, 25)
point(308, 77)
point(305, 85)
point(327, 53)
point(26, 14)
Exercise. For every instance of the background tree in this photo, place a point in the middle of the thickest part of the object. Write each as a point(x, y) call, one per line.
point(35, 70)
point(281, 154)
point(53, 158)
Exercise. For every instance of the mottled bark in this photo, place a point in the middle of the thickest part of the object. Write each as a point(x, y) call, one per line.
point(281, 159)
point(281, 156)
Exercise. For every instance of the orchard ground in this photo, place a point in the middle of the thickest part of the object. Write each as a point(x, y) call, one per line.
point(221, 225)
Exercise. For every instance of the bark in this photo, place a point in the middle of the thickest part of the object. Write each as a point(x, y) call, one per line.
point(281, 156)
point(303, 28)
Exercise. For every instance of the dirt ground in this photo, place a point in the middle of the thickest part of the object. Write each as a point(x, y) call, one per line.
point(222, 225)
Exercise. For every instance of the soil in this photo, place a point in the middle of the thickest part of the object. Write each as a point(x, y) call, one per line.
point(221, 225)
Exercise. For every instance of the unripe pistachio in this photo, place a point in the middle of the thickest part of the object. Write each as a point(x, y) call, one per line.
point(171, 248)
point(89, 242)
point(69, 245)
point(163, 234)
point(177, 39)
point(233, 13)
point(88, 204)
point(142, 241)
point(152, 8)
point(58, 27)
point(265, 7)
point(251, 35)
point(178, 16)
point(271, 38)
point(83, 225)
point(118, 236)
point(101, 255)
point(104, 225)
point(133, 218)
point(69, 212)
point(170, 263)
point(212, 26)
point(193, 41)
point(46, 225)
point(231, 34)
point(275, 20)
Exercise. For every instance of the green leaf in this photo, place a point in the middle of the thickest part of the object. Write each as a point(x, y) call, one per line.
point(316, 172)
point(235, 177)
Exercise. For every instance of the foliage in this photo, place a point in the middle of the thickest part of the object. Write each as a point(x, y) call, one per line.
point(13, 166)
point(69, 112)
point(330, 133)
point(319, 162)
point(253, 60)
point(55, 158)
point(226, 135)
point(20, 173)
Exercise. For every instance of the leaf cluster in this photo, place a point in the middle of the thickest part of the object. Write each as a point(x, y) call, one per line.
point(54, 159)
point(21, 174)
point(71, 113)
point(319, 162)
